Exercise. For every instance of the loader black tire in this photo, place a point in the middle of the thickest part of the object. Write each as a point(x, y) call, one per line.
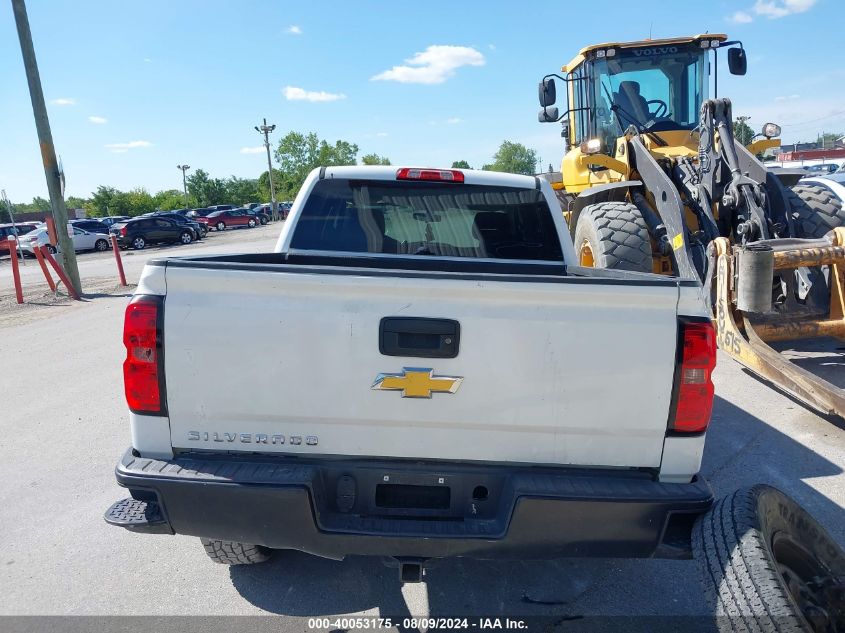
point(816, 210)
point(758, 551)
point(235, 553)
point(617, 237)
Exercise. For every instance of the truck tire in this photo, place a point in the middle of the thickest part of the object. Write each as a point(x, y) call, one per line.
point(768, 566)
point(613, 235)
point(816, 210)
point(234, 553)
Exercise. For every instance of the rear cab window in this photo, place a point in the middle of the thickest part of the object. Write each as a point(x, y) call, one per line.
point(429, 219)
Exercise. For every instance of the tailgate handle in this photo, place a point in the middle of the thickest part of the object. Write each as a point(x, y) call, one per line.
point(419, 337)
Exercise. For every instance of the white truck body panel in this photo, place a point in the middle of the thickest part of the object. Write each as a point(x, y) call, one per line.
point(552, 373)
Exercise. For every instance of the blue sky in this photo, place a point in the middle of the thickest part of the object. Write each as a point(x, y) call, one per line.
point(135, 88)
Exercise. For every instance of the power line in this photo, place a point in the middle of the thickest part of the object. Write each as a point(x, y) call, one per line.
point(821, 118)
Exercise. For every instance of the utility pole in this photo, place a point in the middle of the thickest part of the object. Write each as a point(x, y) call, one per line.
point(45, 139)
point(265, 130)
point(12, 221)
point(184, 168)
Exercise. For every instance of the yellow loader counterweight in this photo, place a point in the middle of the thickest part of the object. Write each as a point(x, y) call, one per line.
point(653, 181)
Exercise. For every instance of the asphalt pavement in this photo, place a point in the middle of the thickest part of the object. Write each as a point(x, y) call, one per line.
point(63, 426)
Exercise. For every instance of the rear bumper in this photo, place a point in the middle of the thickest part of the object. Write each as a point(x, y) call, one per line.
point(528, 513)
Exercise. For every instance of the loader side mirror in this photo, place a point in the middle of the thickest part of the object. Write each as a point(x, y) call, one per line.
point(548, 114)
point(737, 61)
point(547, 92)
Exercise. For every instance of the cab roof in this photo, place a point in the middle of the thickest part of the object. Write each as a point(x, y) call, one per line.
point(582, 54)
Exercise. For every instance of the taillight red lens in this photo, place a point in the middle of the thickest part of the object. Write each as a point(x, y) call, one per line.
point(141, 367)
point(123, 231)
point(695, 389)
point(440, 175)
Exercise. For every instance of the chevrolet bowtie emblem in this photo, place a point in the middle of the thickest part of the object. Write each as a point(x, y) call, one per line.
point(416, 382)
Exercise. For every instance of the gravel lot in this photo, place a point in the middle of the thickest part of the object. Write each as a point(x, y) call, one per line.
point(64, 426)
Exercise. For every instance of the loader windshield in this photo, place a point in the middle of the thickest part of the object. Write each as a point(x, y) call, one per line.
point(660, 88)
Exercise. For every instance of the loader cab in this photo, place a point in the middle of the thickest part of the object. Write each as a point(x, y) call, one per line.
point(653, 85)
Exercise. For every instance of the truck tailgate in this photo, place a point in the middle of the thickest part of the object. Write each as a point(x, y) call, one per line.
point(565, 371)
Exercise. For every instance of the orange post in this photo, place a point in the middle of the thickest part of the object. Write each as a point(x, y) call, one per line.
point(44, 269)
point(13, 251)
point(116, 249)
point(60, 273)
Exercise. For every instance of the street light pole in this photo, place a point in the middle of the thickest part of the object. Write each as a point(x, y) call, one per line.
point(45, 139)
point(265, 130)
point(184, 168)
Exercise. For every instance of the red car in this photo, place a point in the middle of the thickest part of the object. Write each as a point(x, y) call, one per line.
point(221, 220)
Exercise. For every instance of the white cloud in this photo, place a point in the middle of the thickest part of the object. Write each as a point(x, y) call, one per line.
point(147, 60)
point(293, 29)
point(788, 98)
point(381, 133)
point(781, 8)
point(99, 120)
point(63, 101)
point(299, 94)
point(252, 150)
point(454, 120)
point(122, 148)
point(740, 17)
point(434, 65)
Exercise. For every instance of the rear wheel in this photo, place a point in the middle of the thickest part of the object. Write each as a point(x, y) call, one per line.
point(251, 223)
point(235, 553)
point(51, 249)
point(263, 221)
point(186, 237)
point(769, 566)
point(815, 209)
point(220, 226)
point(613, 235)
point(138, 243)
point(101, 245)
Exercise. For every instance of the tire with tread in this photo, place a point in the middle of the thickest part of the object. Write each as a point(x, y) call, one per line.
point(617, 235)
point(816, 210)
point(234, 553)
point(101, 245)
point(743, 573)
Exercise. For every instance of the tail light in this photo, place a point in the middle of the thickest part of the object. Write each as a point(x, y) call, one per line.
point(123, 231)
point(694, 397)
point(143, 369)
point(437, 175)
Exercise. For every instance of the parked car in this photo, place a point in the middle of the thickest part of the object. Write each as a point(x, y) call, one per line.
point(200, 229)
point(109, 220)
point(8, 229)
point(92, 226)
point(258, 214)
point(821, 170)
point(284, 209)
point(82, 241)
point(139, 232)
point(199, 213)
point(221, 220)
point(222, 207)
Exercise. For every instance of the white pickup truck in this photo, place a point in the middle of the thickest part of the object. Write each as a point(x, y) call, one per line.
point(421, 370)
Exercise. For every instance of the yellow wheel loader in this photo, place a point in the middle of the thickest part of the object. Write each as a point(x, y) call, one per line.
point(653, 180)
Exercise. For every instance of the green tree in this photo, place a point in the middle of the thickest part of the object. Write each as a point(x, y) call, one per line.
point(242, 190)
point(374, 159)
point(743, 132)
point(205, 190)
point(514, 158)
point(828, 139)
point(170, 199)
point(297, 154)
point(461, 164)
point(102, 201)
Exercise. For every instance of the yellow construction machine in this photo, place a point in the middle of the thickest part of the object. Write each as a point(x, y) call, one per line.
point(653, 180)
